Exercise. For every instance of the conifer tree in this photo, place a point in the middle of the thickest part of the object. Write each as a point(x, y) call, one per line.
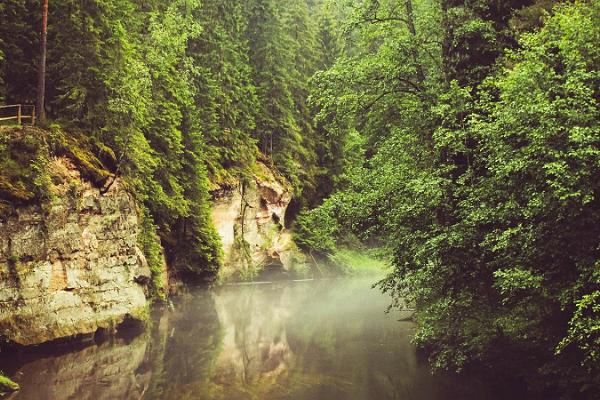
point(224, 91)
point(41, 86)
point(19, 44)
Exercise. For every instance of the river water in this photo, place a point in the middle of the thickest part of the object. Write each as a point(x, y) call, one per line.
point(304, 340)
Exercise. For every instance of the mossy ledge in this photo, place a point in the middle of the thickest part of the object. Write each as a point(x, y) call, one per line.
point(24, 152)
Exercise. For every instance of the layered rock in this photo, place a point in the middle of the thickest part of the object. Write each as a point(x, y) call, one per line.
point(250, 218)
point(72, 265)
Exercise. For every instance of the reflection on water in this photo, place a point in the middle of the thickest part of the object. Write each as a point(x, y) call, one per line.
point(325, 339)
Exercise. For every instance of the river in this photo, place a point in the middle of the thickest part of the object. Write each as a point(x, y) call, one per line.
point(301, 340)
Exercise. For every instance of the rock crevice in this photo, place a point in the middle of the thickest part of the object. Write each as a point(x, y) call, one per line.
point(250, 219)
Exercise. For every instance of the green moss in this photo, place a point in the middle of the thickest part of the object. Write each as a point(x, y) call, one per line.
point(42, 180)
point(90, 156)
point(25, 153)
point(74, 191)
point(14, 190)
point(142, 314)
point(250, 268)
point(19, 149)
point(7, 385)
point(300, 266)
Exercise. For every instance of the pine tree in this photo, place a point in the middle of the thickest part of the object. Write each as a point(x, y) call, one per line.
point(277, 31)
point(19, 44)
point(224, 92)
point(41, 86)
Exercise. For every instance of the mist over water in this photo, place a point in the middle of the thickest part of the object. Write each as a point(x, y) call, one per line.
point(327, 339)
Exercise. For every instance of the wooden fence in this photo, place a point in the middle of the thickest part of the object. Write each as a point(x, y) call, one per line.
point(20, 113)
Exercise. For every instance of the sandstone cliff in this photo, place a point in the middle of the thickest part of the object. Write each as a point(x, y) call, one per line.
point(71, 266)
point(250, 219)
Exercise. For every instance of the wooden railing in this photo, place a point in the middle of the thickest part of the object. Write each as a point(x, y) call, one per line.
point(20, 115)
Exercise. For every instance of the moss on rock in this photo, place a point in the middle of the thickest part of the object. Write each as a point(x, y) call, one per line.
point(7, 385)
point(25, 151)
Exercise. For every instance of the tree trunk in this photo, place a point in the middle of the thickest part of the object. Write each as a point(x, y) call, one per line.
point(41, 90)
point(447, 67)
point(410, 22)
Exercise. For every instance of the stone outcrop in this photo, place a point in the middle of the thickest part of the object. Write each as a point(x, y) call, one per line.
point(72, 265)
point(250, 219)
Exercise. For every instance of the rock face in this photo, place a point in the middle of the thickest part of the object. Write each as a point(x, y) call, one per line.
point(250, 219)
point(71, 266)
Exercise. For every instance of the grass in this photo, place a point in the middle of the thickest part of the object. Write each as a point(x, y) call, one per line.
point(357, 262)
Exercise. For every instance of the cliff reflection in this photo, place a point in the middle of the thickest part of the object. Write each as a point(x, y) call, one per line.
point(326, 339)
point(295, 340)
point(256, 353)
point(172, 359)
point(106, 371)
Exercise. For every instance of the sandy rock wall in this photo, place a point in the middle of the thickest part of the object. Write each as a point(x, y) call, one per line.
point(250, 220)
point(71, 266)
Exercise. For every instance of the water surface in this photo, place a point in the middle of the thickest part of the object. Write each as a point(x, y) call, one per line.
point(310, 340)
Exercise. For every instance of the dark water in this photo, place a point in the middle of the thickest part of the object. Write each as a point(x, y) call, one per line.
point(309, 340)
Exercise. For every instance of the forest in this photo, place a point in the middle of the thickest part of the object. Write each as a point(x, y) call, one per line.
point(460, 139)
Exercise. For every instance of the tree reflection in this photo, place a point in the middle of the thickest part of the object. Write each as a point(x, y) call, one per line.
point(298, 341)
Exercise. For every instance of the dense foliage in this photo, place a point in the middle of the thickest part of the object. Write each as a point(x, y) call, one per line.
point(178, 97)
point(478, 171)
point(462, 137)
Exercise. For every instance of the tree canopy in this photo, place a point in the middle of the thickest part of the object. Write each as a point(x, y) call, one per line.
point(462, 138)
point(476, 168)
point(178, 97)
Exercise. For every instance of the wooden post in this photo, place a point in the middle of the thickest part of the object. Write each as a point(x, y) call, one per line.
point(42, 65)
point(19, 114)
point(32, 115)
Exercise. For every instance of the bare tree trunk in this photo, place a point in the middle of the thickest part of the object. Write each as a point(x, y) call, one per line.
point(41, 90)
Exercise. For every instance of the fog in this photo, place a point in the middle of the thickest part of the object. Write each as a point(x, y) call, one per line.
point(321, 339)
